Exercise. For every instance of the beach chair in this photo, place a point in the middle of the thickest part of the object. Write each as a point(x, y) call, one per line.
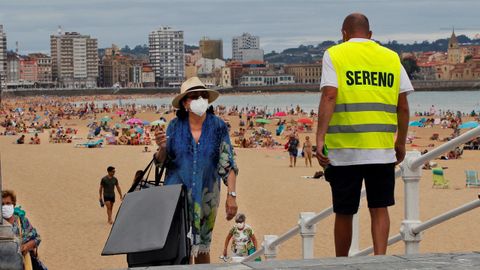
point(472, 179)
point(90, 144)
point(439, 180)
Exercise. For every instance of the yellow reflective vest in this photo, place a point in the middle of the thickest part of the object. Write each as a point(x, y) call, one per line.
point(365, 115)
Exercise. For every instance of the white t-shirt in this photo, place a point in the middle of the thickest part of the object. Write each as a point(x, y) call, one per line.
point(345, 157)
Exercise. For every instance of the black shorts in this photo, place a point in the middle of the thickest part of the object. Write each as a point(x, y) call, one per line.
point(346, 185)
point(109, 198)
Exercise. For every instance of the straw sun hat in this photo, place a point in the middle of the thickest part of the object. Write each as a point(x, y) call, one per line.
point(194, 85)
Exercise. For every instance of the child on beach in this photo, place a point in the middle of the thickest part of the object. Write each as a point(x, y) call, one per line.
point(244, 242)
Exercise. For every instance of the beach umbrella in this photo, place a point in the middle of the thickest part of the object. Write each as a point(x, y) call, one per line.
point(158, 123)
point(146, 123)
point(306, 121)
point(280, 114)
point(139, 130)
point(415, 124)
point(106, 118)
point(120, 112)
point(133, 121)
point(262, 121)
point(470, 124)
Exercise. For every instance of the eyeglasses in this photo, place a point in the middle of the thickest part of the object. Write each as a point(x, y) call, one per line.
point(196, 95)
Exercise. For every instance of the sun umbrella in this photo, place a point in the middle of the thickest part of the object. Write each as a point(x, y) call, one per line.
point(158, 123)
point(139, 130)
point(133, 121)
point(280, 114)
point(470, 124)
point(106, 118)
point(305, 121)
point(146, 123)
point(262, 121)
point(415, 124)
point(120, 112)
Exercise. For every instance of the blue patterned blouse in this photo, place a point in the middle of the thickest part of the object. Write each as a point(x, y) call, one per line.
point(200, 166)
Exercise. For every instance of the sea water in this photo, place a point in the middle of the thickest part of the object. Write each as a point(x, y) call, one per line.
point(464, 101)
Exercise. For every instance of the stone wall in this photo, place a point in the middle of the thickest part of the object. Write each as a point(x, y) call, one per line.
point(418, 85)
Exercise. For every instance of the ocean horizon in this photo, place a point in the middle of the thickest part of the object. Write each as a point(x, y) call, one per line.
point(463, 101)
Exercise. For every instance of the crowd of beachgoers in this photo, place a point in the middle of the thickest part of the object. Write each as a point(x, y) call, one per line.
point(250, 127)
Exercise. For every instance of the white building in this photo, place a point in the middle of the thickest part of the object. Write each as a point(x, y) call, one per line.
point(226, 78)
point(247, 55)
point(74, 60)
point(246, 48)
point(207, 66)
point(13, 67)
point(3, 56)
point(264, 80)
point(167, 54)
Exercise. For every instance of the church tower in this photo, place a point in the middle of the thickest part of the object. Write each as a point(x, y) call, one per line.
point(454, 51)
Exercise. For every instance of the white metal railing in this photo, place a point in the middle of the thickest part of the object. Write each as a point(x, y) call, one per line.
point(411, 228)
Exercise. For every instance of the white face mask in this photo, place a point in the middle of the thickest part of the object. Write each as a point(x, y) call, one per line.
point(199, 106)
point(7, 211)
point(240, 226)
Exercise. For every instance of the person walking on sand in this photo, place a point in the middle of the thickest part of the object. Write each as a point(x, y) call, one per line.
point(244, 241)
point(197, 153)
point(107, 191)
point(292, 148)
point(308, 151)
point(364, 103)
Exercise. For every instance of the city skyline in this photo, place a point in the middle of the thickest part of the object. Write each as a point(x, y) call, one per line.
point(280, 24)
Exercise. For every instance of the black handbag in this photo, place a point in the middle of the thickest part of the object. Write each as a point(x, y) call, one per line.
point(152, 223)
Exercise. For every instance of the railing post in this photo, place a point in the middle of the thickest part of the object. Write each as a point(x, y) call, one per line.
point(354, 246)
point(411, 177)
point(307, 233)
point(270, 251)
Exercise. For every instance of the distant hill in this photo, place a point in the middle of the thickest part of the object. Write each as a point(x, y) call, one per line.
point(141, 51)
point(312, 54)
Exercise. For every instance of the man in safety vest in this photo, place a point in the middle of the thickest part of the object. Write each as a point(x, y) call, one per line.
point(364, 103)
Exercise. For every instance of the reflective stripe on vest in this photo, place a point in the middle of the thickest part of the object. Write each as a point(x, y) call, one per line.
point(366, 105)
point(360, 107)
point(362, 128)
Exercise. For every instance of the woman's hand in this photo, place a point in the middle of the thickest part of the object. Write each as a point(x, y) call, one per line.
point(161, 140)
point(231, 207)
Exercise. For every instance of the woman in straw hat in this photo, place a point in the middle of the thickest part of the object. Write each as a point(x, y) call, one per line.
point(198, 154)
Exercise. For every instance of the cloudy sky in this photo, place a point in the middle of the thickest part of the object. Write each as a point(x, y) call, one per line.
point(279, 23)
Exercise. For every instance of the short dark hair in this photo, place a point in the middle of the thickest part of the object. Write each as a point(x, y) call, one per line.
point(110, 169)
point(240, 218)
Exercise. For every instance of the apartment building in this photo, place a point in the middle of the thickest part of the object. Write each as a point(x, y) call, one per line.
point(74, 60)
point(167, 55)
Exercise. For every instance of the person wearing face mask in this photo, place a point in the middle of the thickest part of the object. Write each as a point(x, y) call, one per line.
point(197, 153)
point(244, 242)
point(21, 226)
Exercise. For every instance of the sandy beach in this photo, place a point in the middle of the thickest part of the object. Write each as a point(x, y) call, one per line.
point(57, 184)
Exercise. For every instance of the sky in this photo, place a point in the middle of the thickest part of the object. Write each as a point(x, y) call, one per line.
point(280, 24)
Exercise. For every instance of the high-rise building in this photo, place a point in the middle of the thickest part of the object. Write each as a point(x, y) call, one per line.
point(246, 48)
point(167, 52)
point(13, 67)
point(3, 56)
point(211, 48)
point(74, 60)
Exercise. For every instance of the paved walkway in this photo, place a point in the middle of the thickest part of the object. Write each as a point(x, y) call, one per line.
point(447, 261)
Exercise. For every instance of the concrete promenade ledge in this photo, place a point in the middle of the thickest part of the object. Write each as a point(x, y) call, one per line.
point(443, 261)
